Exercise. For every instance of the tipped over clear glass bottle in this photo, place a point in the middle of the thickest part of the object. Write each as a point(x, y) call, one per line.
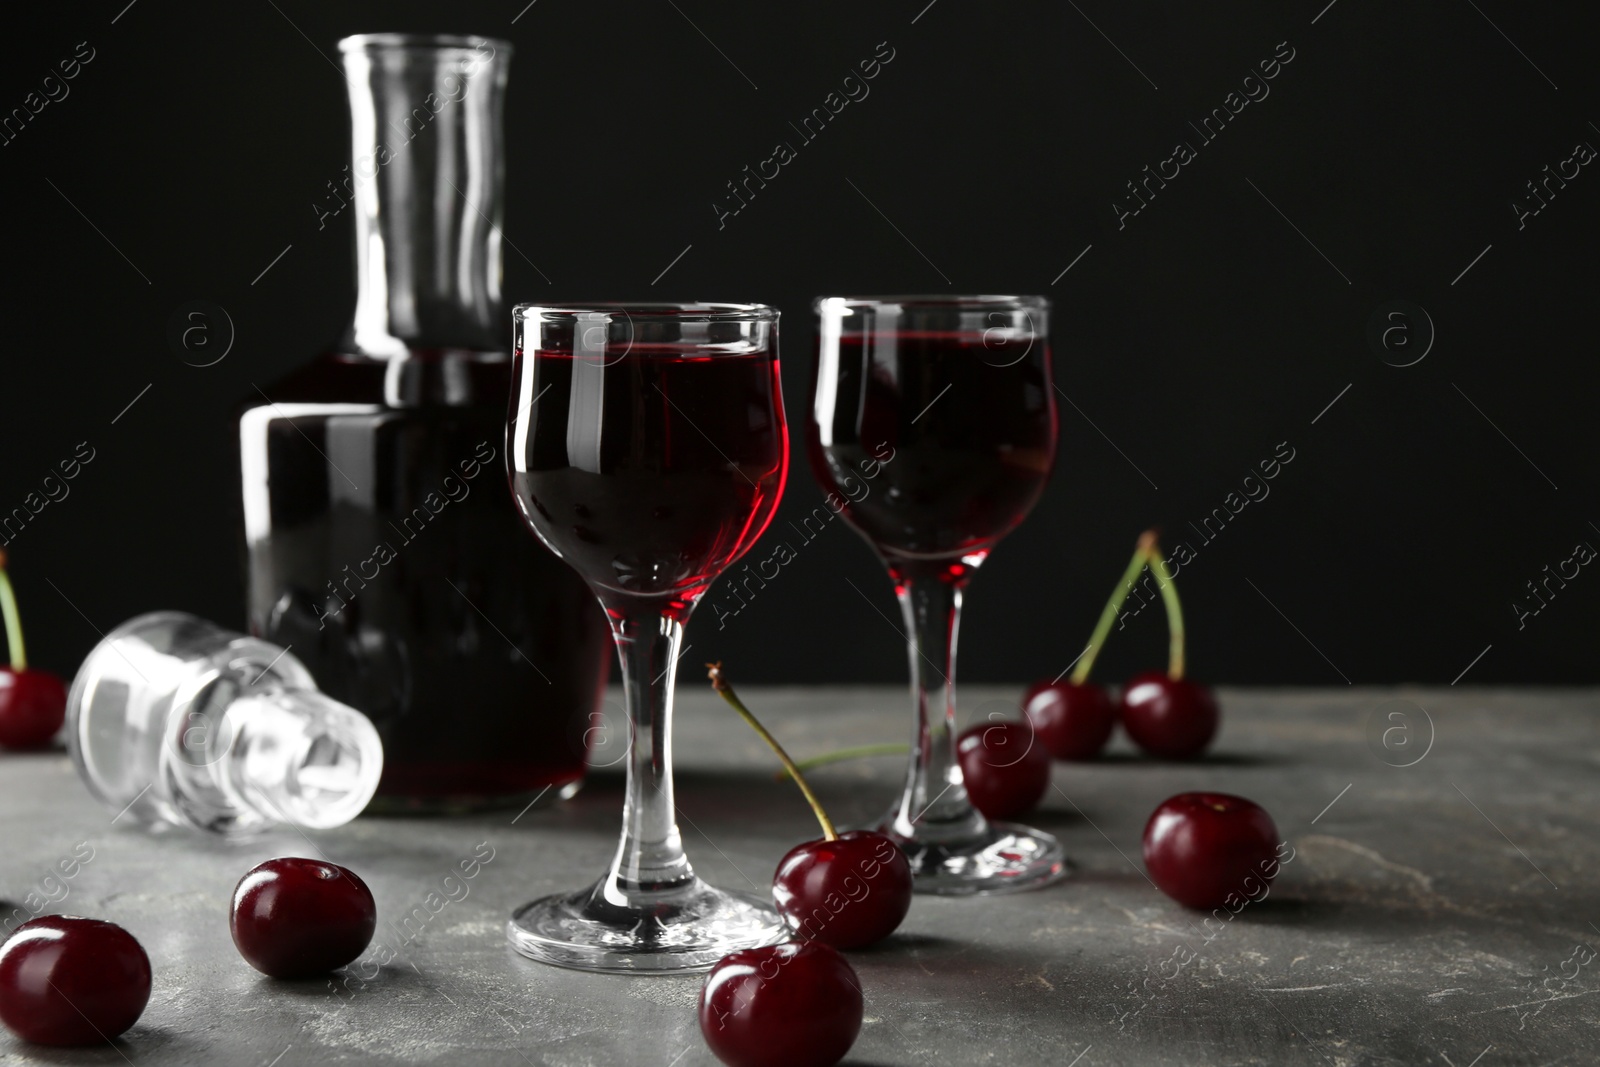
point(173, 721)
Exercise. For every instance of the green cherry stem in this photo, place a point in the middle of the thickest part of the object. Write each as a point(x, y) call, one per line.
point(13, 621)
point(892, 748)
point(720, 684)
point(1169, 597)
point(1108, 615)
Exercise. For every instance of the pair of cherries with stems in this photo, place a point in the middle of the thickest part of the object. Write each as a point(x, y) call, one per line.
point(1006, 763)
point(1205, 850)
point(33, 703)
point(1166, 714)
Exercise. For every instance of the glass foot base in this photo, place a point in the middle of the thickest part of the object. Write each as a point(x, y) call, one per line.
point(1005, 858)
point(685, 929)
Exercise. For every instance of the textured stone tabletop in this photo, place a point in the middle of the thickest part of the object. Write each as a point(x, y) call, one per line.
point(1442, 912)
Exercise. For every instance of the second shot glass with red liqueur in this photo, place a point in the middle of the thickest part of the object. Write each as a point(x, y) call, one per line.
point(933, 421)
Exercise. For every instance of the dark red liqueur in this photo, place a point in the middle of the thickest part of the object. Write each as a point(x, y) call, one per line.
point(383, 546)
point(945, 448)
point(654, 470)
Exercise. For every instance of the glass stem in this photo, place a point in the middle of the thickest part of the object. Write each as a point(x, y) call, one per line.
point(650, 855)
point(934, 805)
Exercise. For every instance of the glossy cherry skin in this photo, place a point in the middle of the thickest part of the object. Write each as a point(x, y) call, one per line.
point(849, 892)
point(1006, 769)
point(70, 981)
point(1072, 721)
point(1170, 718)
point(1210, 850)
point(294, 918)
point(33, 704)
point(797, 1004)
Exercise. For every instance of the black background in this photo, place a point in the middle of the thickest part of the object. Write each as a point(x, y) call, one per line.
point(1191, 342)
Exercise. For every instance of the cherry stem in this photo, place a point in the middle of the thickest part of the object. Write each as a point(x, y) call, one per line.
point(858, 752)
point(13, 621)
point(720, 684)
point(1169, 597)
point(1108, 614)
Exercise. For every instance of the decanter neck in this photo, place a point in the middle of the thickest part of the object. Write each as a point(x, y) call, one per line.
point(427, 179)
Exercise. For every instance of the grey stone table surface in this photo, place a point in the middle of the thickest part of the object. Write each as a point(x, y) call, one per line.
point(1440, 908)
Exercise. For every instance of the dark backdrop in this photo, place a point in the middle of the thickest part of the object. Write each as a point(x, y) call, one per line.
point(1193, 338)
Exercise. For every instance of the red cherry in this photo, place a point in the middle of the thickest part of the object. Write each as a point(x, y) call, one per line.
point(797, 1004)
point(294, 918)
point(33, 704)
point(1207, 850)
point(70, 981)
point(1173, 718)
point(1073, 721)
point(1006, 769)
point(849, 892)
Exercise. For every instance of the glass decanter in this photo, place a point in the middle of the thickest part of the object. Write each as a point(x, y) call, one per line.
point(381, 541)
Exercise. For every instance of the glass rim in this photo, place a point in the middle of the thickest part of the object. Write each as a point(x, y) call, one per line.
point(440, 42)
point(657, 310)
point(932, 300)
